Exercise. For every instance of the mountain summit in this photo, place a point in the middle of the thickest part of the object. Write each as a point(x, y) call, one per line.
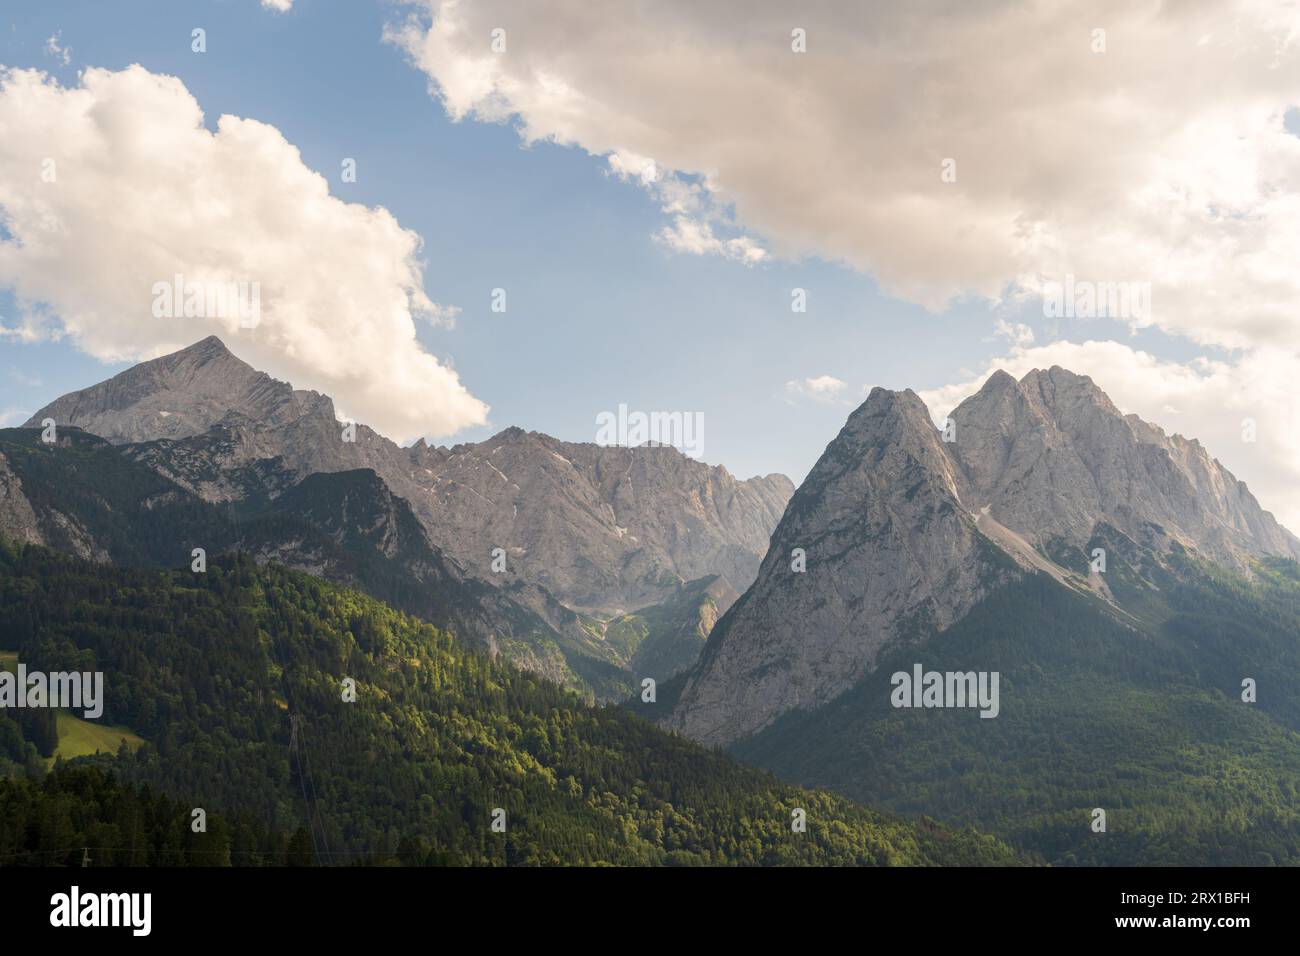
point(180, 395)
point(1051, 457)
point(605, 529)
point(896, 534)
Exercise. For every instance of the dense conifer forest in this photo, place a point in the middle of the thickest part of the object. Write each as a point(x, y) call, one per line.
point(1144, 719)
point(236, 678)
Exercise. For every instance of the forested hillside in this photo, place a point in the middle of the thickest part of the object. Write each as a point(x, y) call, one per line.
point(79, 815)
point(1144, 720)
point(215, 670)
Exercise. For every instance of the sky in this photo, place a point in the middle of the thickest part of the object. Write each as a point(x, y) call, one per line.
point(653, 188)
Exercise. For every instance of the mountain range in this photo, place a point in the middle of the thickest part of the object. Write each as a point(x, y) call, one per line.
point(905, 533)
point(1135, 607)
point(587, 534)
point(605, 529)
point(1130, 595)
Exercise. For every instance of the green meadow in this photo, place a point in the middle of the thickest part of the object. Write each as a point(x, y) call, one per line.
point(80, 738)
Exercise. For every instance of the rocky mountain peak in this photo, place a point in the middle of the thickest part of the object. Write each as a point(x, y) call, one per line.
point(181, 395)
point(900, 531)
point(211, 347)
point(873, 544)
point(1053, 458)
point(1057, 387)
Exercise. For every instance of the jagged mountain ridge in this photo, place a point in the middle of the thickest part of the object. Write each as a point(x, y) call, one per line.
point(362, 534)
point(605, 529)
point(904, 533)
point(1052, 457)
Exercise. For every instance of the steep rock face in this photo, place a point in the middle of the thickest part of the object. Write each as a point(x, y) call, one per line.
point(18, 520)
point(350, 528)
point(889, 548)
point(605, 529)
point(80, 496)
point(1052, 458)
point(233, 461)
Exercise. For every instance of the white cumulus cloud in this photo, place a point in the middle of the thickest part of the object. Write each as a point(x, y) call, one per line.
point(952, 151)
point(1158, 156)
point(111, 187)
point(823, 388)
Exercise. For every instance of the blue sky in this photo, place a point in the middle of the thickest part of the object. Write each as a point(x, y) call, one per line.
point(600, 313)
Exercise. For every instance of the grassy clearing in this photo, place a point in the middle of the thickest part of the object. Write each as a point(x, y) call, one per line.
point(80, 738)
point(77, 737)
